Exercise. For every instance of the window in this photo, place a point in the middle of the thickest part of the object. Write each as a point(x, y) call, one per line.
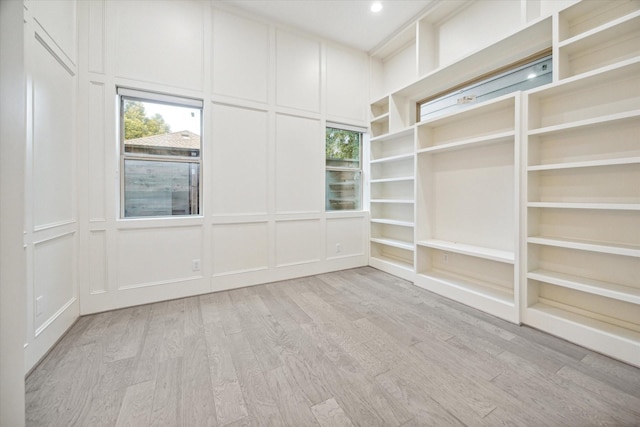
point(524, 75)
point(343, 168)
point(160, 154)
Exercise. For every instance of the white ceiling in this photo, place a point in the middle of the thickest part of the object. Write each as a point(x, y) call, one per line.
point(349, 22)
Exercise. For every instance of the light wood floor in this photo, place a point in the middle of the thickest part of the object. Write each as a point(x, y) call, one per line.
point(356, 347)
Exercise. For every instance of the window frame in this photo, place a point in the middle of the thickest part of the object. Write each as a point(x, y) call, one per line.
point(124, 94)
point(361, 131)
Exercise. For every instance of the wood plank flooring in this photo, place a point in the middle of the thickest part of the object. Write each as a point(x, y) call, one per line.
point(352, 348)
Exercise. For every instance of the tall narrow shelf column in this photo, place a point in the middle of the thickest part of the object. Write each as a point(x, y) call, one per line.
point(583, 210)
point(392, 202)
point(467, 206)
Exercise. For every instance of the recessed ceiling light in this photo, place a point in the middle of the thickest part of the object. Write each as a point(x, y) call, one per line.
point(376, 7)
point(532, 76)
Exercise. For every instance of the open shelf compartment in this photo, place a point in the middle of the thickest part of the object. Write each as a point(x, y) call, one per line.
point(612, 42)
point(487, 122)
point(479, 282)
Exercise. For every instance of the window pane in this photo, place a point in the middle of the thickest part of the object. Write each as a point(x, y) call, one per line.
point(343, 190)
point(157, 188)
point(343, 148)
point(159, 129)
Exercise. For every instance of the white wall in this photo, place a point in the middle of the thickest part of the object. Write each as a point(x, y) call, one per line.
point(268, 92)
point(12, 260)
point(51, 218)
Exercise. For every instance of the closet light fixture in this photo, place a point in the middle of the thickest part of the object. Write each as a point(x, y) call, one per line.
point(376, 7)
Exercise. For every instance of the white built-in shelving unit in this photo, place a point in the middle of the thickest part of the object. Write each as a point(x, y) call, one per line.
point(392, 200)
point(526, 206)
point(467, 205)
point(583, 209)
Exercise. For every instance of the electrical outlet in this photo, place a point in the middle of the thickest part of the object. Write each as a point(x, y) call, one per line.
point(338, 248)
point(39, 306)
point(195, 265)
point(445, 257)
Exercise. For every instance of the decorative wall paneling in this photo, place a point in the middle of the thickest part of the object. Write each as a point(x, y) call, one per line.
point(51, 218)
point(268, 91)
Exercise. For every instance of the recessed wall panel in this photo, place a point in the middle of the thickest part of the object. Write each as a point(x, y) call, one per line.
point(298, 242)
point(58, 18)
point(345, 237)
point(298, 72)
point(240, 160)
point(299, 165)
point(240, 57)
point(53, 277)
point(53, 138)
point(240, 248)
point(160, 42)
point(346, 83)
point(96, 36)
point(153, 256)
point(96, 147)
point(97, 261)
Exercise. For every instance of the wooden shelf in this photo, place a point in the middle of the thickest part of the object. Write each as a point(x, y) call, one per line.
point(396, 179)
point(585, 245)
point(466, 143)
point(470, 285)
point(586, 164)
point(530, 40)
point(397, 262)
point(393, 135)
point(617, 28)
point(392, 158)
point(598, 121)
point(381, 118)
point(380, 106)
point(591, 206)
point(622, 343)
point(583, 17)
point(480, 295)
point(587, 81)
point(595, 287)
point(476, 251)
point(393, 242)
point(392, 222)
point(398, 268)
point(404, 201)
point(489, 106)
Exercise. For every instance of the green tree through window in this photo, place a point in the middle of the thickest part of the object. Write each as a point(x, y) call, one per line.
point(138, 125)
point(342, 145)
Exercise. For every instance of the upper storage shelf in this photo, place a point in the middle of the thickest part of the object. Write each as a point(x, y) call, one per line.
point(594, 34)
point(586, 16)
point(526, 42)
point(489, 122)
point(580, 101)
